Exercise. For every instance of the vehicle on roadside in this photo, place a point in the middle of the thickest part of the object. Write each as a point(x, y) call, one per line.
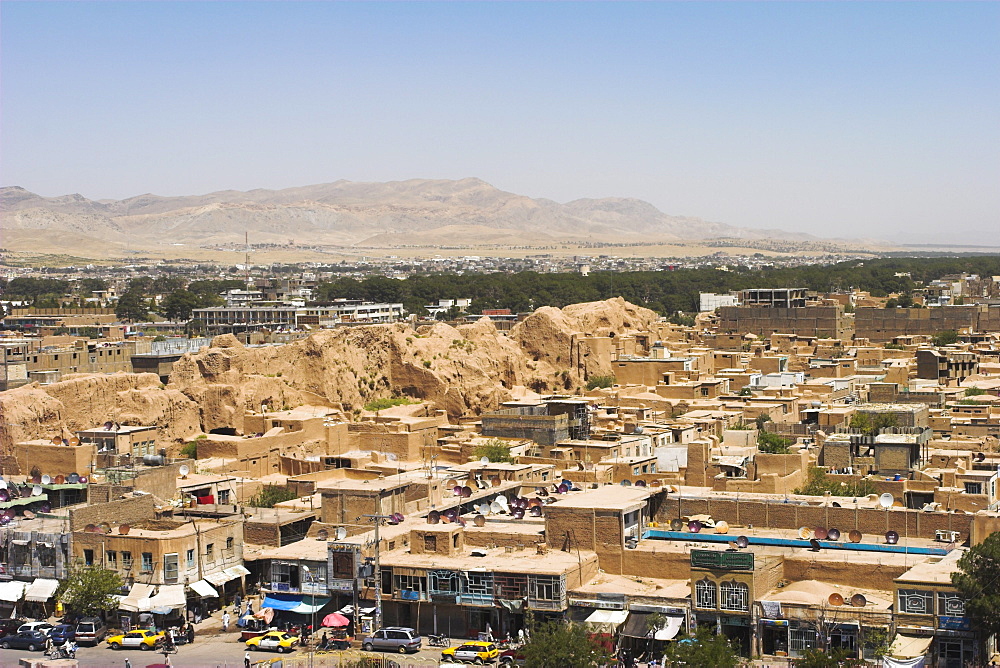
point(10, 626)
point(90, 631)
point(400, 639)
point(60, 633)
point(472, 651)
point(44, 627)
point(32, 641)
point(512, 657)
point(141, 638)
point(279, 641)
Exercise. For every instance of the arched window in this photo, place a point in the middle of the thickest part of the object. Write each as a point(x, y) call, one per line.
point(735, 596)
point(704, 591)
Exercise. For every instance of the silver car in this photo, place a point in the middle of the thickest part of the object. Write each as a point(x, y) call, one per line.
point(400, 639)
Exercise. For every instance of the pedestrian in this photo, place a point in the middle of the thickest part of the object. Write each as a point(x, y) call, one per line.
point(128, 664)
point(190, 633)
point(225, 621)
point(249, 607)
point(237, 600)
point(246, 660)
point(520, 636)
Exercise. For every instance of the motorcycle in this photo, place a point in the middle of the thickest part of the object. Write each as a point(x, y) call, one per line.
point(60, 653)
point(435, 640)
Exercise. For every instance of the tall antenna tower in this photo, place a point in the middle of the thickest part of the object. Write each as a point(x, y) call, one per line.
point(246, 261)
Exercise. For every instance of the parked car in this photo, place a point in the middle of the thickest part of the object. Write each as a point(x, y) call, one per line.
point(141, 638)
point(511, 657)
point(400, 639)
point(90, 631)
point(29, 640)
point(474, 651)
point(279, 641)
point(60, 633)
point(44, 627)
point(9, 626)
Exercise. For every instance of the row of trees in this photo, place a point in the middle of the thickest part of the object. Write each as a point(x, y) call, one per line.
point(136, 303)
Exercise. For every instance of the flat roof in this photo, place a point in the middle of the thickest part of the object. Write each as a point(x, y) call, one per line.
point(934, 570)
point(553, 562)
point(609, 497)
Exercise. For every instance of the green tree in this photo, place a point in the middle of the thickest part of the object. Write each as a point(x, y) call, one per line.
point(270, 495)
point(132, 307)
point(945, 338)
point(179, 304)
point(558, 645)
point(773, 444)
point(872, 424)
point(818, 482)
point(495, 449)
point(704, 649)
point(974, 391)
point(595, 382)
point(88, 591)
point(831, 658)
point(978, 581)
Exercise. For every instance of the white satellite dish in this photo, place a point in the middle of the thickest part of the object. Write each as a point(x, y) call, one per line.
point(483, 508)
point(184, 470)
point(341, 533)
point(46, 479)
point(496, 508)
point(484, 460)
point(36, 490)
point(886, 500)
point(3, 484)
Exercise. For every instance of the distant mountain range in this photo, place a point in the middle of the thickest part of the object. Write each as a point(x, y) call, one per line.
point(418, 212)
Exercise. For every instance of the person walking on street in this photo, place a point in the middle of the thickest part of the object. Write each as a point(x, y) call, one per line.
point(128, 664)
point(246, 660)
point(225, 621)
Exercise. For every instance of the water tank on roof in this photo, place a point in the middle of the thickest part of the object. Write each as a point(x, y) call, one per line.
point(152, 460)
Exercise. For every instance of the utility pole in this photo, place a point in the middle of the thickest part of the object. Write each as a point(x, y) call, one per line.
point(377, 574)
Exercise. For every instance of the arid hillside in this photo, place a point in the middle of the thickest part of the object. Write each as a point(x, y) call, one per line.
point(465, 370)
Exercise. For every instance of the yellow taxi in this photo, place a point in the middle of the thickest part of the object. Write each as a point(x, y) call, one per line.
point(279, 641)
point(475, 651)
point(141, 638)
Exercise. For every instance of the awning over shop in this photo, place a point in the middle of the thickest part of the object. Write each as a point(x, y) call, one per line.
point(204, 589)
point(282, 601)
point(605, 621)
point(41, 590)
point(169, 597)
point(12, 591)
point(236, 571)
point(224, 576)
point(670, 631)
point(311, 604)
point(137, 599)
point(636, 625)
point(349, 610)
point(909, 647)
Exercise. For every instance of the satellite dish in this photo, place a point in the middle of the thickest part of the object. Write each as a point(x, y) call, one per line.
point(535, 511)
point(820, 533)
point(450, 483)
point(46, 479)
point(721, 527)
point(83, 480)
point(562, 489)
point(451, 514)
point(518, 514)
point(4, 495)
point(854, 536)
point(399, 517)
point(484, 460)
point(814, 545)
point(341, 533)
point(3, 484)
point(742, 542)
point(494, 481)
point(184, 470)
point(694, 526)
point(897, 504)
point(56, 440)
point(108, 425)
point(568, 483)
point(677, 524)
point(4, 520)
point(495, 508)
point(74, 441)
point(483, 508)
point(73, 478)
point(124, 529)
point(479, 521)
point(457, 490)
point(461, 522)
point(466, 492)
point(28, 515)
point(59, 479)
point(433, 517)
point(656, 483)
point(626, 483)
point(805, 533)
point(90, 528)
point(45, 507)
point(835, 599)
point(36, 490)
point(534, 503)
point(885, 500)
point(835, 504)
point(891, 537)
point(322, 534)
point(105, 527)
point(859, 601)
point(640, 483)
point(65, 442)
point(833, 533)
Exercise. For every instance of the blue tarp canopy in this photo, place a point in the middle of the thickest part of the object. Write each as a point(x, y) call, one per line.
point(295, 603)
point(282, 601)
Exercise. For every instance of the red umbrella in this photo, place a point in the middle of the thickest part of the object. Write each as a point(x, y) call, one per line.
point(335, 619)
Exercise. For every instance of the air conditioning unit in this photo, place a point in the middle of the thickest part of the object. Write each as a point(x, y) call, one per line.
point(946, 535)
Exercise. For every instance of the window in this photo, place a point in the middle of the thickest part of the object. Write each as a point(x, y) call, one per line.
point(171, 567)
point(126, 560)
point(284, 576)
point(454, 540)
point(430, 542)
point(210, 551)
point(224, 496)
point(88, 557)
point(801, 640)
point(112, 558)
point(704, 593)
point(950, 604)
point(147, 562)
point(973, 488)
point(734, 596)
point(229, 543)
point(189, 558)
point(916, 601)
point(545, 587)
point(409, 586)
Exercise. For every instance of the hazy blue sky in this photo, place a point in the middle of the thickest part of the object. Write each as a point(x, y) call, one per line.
point(842, 119)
